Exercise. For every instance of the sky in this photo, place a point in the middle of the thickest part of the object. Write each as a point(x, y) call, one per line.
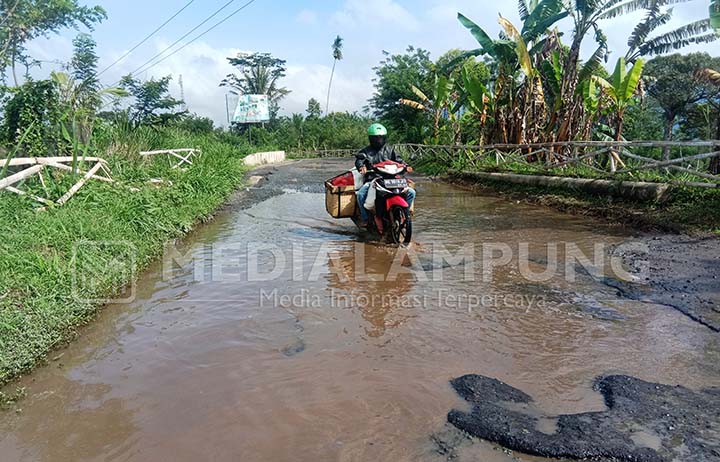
point(300, 32)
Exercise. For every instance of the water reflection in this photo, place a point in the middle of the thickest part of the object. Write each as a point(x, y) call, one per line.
point(364, 277)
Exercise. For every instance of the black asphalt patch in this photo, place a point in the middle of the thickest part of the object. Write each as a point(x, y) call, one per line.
point(644, 422)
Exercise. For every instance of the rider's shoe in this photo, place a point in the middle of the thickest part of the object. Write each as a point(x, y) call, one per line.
point(379, 224)
point(363, 224)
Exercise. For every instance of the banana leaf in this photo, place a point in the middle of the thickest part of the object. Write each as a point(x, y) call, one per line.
point(520, 47)
point(630, 84)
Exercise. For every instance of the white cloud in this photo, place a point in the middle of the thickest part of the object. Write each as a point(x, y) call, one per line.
point(307, 17)
point(202, 68)
point(348, 93)
point(374, 13)
point(443, 13)
point(392, 27)
point(49, 53)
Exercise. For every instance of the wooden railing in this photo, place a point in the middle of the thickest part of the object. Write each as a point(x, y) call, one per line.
point(690, 163)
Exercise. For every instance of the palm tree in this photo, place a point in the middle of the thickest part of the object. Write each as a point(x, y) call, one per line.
point(715, 15)
point(337, 48)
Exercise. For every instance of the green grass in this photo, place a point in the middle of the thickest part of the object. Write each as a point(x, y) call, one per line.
point(39, 309)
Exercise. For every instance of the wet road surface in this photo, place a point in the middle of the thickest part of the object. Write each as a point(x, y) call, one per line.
point(266, 338)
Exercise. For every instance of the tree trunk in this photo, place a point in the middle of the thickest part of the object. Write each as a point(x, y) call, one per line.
point(14, 71)
point(614, 157)
point(715, 161)
point(567, 91)
point(332, 74)
point(669, 124)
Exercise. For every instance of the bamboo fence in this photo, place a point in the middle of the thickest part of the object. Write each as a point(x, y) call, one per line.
point(692, 163)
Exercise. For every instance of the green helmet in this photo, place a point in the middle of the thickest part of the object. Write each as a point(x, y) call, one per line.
point(377, 130)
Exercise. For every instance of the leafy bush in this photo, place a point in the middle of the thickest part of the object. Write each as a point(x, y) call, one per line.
point(33, 115)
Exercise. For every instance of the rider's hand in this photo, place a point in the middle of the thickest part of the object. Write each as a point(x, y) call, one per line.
point(363, 170)
point(410, 169)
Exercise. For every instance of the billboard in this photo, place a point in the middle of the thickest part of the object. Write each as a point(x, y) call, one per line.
point(252, 109)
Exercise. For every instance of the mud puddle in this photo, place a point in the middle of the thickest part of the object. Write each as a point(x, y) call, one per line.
point(265, 338)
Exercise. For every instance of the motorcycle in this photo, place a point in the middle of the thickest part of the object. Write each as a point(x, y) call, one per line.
point(391, 216)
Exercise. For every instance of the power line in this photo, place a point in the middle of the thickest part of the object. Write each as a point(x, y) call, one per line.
point(199, 36)
point(193, 40)
point(147, 38)
point(183, 37)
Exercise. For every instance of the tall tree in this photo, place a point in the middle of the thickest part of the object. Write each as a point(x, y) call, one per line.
point(715, 15)
point(84, 71)
point(24, 20)
point(337, 49)
point(586, 17)
point(314, 110)
point(259, 74)
point(672, 82)
point(396, 75)
point(153, 103)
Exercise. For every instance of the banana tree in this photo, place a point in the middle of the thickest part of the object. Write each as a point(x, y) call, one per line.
point(439, 106)
point(531, 98)
point(641, 44)
point(621, 95)
point(586, 16)
point(478, 100)
point(591, 104)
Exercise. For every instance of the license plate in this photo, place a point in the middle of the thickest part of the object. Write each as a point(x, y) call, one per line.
point(396, 183)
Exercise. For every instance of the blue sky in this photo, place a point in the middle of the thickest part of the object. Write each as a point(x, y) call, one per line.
point(300, 32)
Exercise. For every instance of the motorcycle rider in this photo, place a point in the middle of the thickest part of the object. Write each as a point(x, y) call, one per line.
point(378, 151)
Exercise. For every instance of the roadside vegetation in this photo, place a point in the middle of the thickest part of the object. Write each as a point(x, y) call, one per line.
point(529, 84)
point(525, 83)
point(71, 114)
point(45, 253)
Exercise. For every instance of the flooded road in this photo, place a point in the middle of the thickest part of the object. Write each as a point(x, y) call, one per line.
point(265, 339)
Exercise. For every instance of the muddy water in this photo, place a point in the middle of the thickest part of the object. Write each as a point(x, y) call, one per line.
point(213, 361)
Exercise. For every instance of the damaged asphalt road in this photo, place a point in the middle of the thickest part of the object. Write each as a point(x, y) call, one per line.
point(644, 422)
point(679, 271)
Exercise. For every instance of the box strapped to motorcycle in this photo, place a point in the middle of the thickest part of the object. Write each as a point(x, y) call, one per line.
point(340, 200)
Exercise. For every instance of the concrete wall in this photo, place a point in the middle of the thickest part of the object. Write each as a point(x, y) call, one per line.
point(263, 158)
point(626, 189)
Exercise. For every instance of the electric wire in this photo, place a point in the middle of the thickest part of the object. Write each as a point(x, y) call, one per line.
point(146, 38)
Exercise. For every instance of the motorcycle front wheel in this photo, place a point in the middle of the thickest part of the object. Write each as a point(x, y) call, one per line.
point(400, 225)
